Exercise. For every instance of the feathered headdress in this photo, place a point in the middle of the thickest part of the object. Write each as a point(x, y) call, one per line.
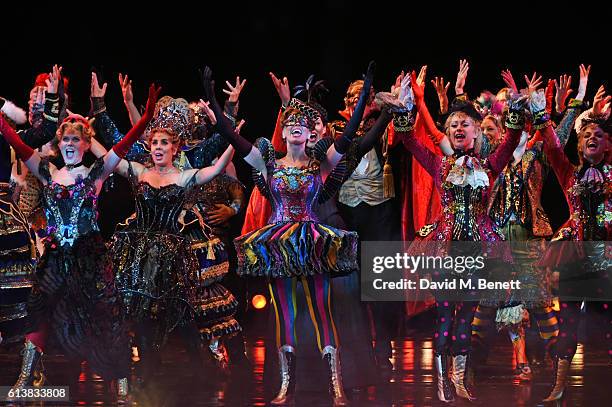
point(311, 93)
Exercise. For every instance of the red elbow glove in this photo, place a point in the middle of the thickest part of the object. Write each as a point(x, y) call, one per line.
point(123, 147)
point(22, 149)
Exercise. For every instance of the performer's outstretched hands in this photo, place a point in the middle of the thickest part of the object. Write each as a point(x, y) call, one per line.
point(282, 88)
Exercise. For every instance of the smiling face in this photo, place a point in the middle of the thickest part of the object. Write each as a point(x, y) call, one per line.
point(163, 148)
point(298, 128)
point(593, 144)
point(461, 131)
point(317, 134)
point(491, 130)
point(295, 133)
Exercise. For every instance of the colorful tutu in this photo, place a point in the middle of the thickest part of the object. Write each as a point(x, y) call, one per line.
point(290, 249)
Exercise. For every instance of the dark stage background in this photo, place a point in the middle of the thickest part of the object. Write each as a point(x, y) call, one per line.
point(167, 42)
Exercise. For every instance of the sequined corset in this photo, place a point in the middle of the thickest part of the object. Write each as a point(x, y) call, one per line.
point(158, 209)
point(71, 211)
point(512, 201)
point(294, 190)
point(468, 207)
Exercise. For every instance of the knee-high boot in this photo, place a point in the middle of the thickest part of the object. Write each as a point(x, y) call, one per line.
point(286, 361)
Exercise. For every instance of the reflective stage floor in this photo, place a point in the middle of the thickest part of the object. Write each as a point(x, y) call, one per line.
point(410, 383)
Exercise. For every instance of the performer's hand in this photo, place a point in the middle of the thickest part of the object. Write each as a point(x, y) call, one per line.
point(205, 106)
point(96, 90)
point(464, 67)
point(282, 88)
point(239, 126)
point(126, 89)
point(406, 95)
point(563, 91)
point(584, 80)
point(537, 101)
point(442, 91)
point(398, 83)
point(54, 78)
point(533, 83)
point(509, 80)
point(601, 101)
point(419, 91)
point(234, 91)
point(422, 75)
point(208, 84)
point(221, 214)
point(369, 76)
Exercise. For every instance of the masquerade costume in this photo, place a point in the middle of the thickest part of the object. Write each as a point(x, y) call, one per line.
point(18, 254)
point(157, 268)
point(350, 314)
point(515, 206)
point(367, 203)
point(463, 183)
point(74, 295)
point(590, 205)
point(209, 243)
point(294, 245)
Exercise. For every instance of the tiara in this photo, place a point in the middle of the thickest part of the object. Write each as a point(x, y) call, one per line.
point(172, 115)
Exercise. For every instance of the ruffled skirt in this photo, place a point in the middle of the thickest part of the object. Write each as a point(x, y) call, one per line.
point(215, 305)
point(290, 249)
point(162, 283)
point(75, 295)
point(17, 267)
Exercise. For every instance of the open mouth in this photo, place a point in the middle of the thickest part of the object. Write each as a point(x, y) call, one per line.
point(69, 153)
point(312, 137)
point(158, 155)
point(459, 137)
point(296, 132)
point(592, 145)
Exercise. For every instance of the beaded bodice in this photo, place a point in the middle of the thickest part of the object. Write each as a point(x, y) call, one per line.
point(71, 210)
point(293, 192)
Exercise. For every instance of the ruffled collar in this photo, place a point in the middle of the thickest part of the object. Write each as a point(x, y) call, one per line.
point(593, 177)
point(467, 170)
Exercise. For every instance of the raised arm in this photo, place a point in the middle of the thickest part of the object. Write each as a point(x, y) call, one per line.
point(442, 92)
point(106, 129)
point(128, 98)
point(205, 152)
point(342, 143)
point(564, 128)
point(119, 150)
point(438, 137)
point(464, 67)
point(428, 159)
point(38, 136)
point(515, 121)
point(245, 149)
point(204, 175)
point(23, 151)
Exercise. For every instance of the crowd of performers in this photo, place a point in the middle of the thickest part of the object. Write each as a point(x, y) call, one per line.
point(386, 171)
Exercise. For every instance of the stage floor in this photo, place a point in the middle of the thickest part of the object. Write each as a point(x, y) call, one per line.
point(411, 383)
